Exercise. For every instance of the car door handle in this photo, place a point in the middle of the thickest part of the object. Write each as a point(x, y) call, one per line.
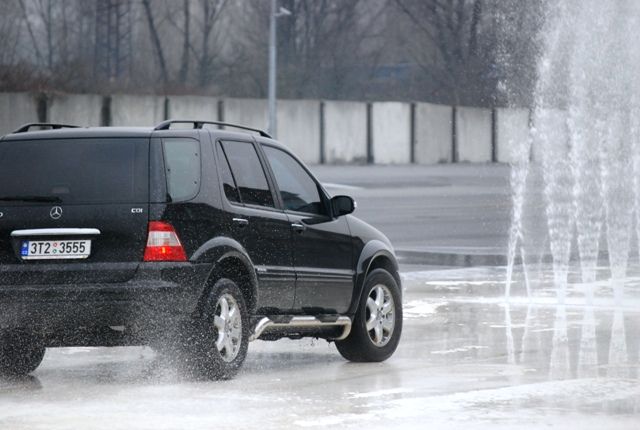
point(241, 222)
point(298, 227)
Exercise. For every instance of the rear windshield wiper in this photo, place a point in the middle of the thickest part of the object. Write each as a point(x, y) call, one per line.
point(44, 199)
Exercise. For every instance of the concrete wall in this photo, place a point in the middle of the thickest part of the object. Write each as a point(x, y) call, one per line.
point(512, 129)
point(473, 134)
point(299, 128)
point(136, 110)
point(17, 109)
point(434, 133)
point(193, 107)
point(345, 127)
point(391, 129)
point(78, 109)
point(249, 112)
point(345, 132)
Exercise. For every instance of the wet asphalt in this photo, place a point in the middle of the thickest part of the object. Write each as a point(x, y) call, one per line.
point(466, 359)
point(460, 208)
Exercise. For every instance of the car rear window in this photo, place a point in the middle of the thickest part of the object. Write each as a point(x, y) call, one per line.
point(74, 170)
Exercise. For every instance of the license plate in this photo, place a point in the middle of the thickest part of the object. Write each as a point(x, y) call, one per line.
point(55, 249)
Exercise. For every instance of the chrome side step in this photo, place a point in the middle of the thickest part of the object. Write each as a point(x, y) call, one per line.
point(302, 322)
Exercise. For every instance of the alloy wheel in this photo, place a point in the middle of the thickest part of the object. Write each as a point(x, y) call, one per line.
point(228, 324)
point(380, 315)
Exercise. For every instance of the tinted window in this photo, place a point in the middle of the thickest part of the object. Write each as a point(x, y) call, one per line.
point(228, 183)
point(298, 190)
point(248, 173)
point(182, 166)
point(76, 170)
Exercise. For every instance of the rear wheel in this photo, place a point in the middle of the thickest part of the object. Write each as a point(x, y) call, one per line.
point(377, 325)
point(20, 353)
point(216, 343)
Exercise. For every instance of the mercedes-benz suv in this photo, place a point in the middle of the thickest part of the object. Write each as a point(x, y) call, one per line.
point(188, 236)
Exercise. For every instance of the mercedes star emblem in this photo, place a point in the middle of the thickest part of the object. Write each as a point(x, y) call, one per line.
point(56, 212)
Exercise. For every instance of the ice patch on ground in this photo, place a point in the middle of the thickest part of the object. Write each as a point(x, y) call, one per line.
point(461, 349)
point(75, 350)
point(546, 404)
point(420, 308)
point(379, 393)
point(458, 283)
point(484, 274)
point(599, 303)
point(327, 421)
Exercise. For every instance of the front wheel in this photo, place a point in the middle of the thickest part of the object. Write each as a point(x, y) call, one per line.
point(377, 325)
point(20, 353)
point(217, 341)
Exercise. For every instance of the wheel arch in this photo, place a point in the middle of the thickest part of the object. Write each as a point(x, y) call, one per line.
point(229, 260)
point(375, 255)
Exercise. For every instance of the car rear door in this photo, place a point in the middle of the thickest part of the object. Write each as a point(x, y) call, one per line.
point(257, 223)
point(66, 193)
point(322, 245)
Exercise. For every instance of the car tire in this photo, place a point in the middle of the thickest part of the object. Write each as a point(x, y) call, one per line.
point(217, 340)
point(20, 353)
point(377, 325)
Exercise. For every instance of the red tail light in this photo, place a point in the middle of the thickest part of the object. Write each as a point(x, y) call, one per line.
point(163, 243)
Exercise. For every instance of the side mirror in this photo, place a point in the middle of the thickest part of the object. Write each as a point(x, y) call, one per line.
point(342, 205)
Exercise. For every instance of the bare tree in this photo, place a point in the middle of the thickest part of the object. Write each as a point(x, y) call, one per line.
point(45, 10)
point(157, 44)
point(29, 25)
point(452, 51)
point(324, 46)
point(210, 12)
point(458, 59)
point(517, 39)
point(186, 44)
point(464, 49)
point(113, 33)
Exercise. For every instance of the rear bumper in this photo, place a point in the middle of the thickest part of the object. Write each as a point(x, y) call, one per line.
point(157, 293)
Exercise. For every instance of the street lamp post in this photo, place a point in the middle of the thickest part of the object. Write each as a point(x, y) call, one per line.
point(275, 14)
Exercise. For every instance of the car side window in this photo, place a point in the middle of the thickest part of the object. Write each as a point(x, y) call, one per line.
point(299, 191)
point(182, 168)
point(248, 173)
point(228, 183)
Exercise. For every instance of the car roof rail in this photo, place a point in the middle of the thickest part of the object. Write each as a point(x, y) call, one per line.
point(54, 126)
point(197, 124)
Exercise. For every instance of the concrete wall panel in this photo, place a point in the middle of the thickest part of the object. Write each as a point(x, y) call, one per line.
point(247, 112)
point(473, 131)
point(78, 109)
point(193, 107)
point(391, 123)
point(512, 132)
point(17, 109)
point(299, 128)
point(136, 110)
point(345, 125)
point(434, 133)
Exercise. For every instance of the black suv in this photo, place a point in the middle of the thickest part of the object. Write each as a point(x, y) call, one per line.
point(187, 236)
